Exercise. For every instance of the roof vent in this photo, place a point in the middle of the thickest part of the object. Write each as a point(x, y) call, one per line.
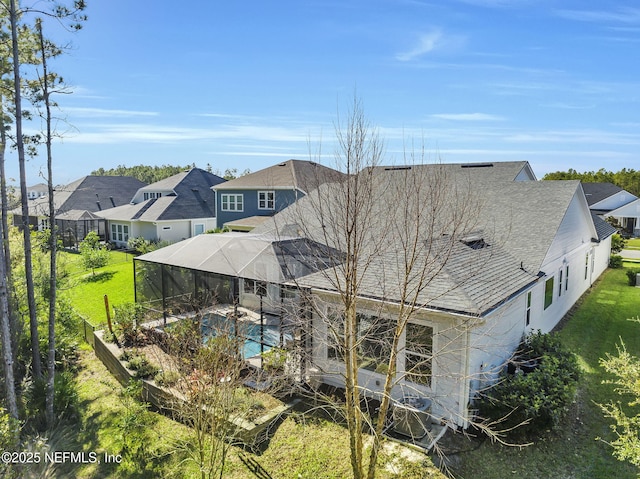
point(396, 168)
point(475, 242)
point(477, 165)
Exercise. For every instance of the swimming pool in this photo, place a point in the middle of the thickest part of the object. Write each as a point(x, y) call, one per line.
point(214, 324)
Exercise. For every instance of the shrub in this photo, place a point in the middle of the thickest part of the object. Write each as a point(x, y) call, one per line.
point(617, 243)
point(127, 318)
point(615, 261)
point(631, 275)
point(540, 396)
point(167, 378)
point(142, 367)
point(65, 400)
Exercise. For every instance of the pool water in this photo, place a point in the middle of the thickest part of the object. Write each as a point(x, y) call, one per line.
point(214, 324)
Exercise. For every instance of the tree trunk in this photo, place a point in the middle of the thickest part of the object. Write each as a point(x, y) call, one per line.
point(5, 332)
point(33, 318)
point(53, 245)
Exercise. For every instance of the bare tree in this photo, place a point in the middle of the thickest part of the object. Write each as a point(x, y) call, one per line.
point(408, 238)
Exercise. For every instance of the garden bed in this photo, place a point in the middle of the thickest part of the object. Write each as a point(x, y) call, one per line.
point(263, 413)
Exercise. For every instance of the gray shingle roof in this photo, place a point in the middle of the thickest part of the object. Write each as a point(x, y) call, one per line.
point(596, 192)
point(90, 193)
point(298, 174)
point(193, 199)
point(518, 219)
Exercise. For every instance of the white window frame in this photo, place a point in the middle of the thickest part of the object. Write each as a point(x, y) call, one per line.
point(232, 202)
point(423, 357)
point(119, 232)
point(267, 200)
point(527, 313)
point(195, 229)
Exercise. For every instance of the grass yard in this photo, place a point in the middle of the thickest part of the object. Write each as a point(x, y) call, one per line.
point(87, 290)
point(575, 450)
point(633, 243)
point(302, 446)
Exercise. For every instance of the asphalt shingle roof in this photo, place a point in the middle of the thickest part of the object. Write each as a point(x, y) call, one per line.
point(193, 198)
point(299, 174)
point(90, 193)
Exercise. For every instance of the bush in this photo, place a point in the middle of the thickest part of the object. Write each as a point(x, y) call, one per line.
point(142, 367)
point(127, 318)
point(65, 400)
point(631, 275)
point(615, 261)
point(167, 378)
point(617, 243)
point(540, 396)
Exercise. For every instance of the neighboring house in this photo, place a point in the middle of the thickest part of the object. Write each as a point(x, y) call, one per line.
point(534, 250)
point(628, 217)
point(243, 203)
point(172, 209)
point(37, 191)
point(606, 197)
point(76, 205)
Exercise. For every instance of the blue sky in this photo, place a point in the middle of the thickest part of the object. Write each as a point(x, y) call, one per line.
point(249, 84)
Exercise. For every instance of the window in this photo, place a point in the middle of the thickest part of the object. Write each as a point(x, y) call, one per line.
point(418, 355)
point(198, 229)
point(548, 293)
point(566, 278)
point(559, 283)
point(258, 288)
point(375, 337)
point(528, 310)
point(586, 266)
point(152, 195)
point(119, 232)
point(232, 202)
point(266, 200)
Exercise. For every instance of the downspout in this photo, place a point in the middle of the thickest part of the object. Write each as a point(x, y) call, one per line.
point(466, 381)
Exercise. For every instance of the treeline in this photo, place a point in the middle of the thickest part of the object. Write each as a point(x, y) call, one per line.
point(627, 179)
point(148, 174)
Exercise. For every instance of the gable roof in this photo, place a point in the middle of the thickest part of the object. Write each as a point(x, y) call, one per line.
point(596, 192)
point(517, 221)
point(291, 174)
point(192, 198)
point(90, 193)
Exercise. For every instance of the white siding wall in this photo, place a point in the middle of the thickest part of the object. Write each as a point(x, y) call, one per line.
point(177, 230)
point(449, 386)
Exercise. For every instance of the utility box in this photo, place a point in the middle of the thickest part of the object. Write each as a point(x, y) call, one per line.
point(412, 416)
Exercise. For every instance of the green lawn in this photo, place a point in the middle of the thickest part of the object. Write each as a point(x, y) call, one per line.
point(87, 290)
point(633, 243)
point(574, 451)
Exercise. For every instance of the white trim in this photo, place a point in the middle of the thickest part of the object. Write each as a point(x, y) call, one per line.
point(225, 197)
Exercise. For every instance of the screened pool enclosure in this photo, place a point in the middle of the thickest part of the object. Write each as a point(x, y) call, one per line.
point(232, 272)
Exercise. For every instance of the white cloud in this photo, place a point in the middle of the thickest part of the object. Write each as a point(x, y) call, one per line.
point(427, 43)
point(622, 15)
point(467, 117)
point(85, 112)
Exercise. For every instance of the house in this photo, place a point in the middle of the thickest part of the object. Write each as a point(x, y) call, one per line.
point(517, 260)
point(243, 203)
point(77, 203)
point(606, 197)
point(172, 209)
point(628, 217)
point(37, 191)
